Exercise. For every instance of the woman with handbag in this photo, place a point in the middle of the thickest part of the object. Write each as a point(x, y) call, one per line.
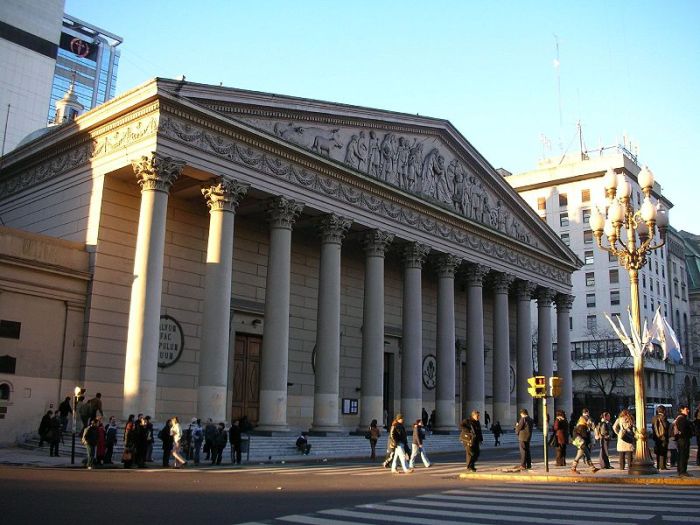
point(625, 429)
point(373, 434)
point(582, 441)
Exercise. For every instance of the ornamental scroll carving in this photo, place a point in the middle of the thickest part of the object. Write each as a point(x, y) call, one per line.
point(269, 164)
point(418, 165)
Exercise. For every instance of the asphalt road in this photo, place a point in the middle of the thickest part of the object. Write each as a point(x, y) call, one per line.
point(221, 496)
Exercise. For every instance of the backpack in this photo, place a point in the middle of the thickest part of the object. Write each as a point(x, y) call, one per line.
point(675, 433)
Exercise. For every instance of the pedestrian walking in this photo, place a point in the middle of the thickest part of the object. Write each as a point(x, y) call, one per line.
point(582, 442)
point(625, 429)
point(83, 410)
point(95, 406)
point(487, 419)
point(234, 437)
point(219, 444)
point(167, 440)
point(150, 440)
point(683, 433)
point(398, 443)
point(497, 432)
point(471, 438)
point(101, 448)
point(176, 434)
point(523, 429)
point(141, 442)
point(209, 435)
point(373, 434)
point(44, 426)
point(604, 434)
point(53, 436)
point(110, 439)
point(417, 445)
point(197, 438)
point(65, 410)
point(561, 435)
point(129, 440)
point(89, 441)
point(660, 430)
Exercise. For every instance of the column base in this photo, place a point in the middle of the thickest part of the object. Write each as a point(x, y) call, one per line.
point(642, 469)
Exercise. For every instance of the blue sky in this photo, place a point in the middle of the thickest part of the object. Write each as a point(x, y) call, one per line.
point(487, 66)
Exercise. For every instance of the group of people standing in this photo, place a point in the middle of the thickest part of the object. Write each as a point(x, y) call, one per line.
point(398, 451)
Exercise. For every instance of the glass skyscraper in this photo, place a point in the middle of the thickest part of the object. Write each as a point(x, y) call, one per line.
point(91, 55)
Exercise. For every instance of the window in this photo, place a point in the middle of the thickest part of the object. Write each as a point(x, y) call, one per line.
point(663, 271)
point(563, 200)
point(588, 237)
point(614, 297)
point(586, 216)
point(645, 300)
point(566, 239)
point(614, 276)
point(585, 195)
point(590, 279)
point(675, 288)
point(571, 323)
point(656, 267)
point(590, 300)
point(541, 203)
point(10, 329)
point(588, 257)
point(611, 257)
point(644, 281)
point(563, 219)
point(591, 322)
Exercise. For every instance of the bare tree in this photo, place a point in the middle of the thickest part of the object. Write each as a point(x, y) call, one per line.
point(606, 362)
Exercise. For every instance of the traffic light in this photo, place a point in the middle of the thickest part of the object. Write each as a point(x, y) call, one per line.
point(538, 386)
point(555, 386)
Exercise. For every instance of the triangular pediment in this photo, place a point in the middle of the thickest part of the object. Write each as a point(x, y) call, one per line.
point(425, 157)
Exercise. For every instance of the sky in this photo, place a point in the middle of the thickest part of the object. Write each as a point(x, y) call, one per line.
point(625, 68)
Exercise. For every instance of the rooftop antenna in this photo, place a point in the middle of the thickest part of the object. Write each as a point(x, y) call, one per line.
point(557, 64)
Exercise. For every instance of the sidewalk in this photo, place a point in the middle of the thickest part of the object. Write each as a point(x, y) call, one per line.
point(537, 474)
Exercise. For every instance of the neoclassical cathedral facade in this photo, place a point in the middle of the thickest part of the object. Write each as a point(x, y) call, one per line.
point(309, 265)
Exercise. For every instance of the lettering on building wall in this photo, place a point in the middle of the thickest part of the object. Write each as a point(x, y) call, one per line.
point(171, 341)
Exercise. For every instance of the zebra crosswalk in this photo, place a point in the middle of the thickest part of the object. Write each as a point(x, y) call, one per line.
point(555, 504)
point(436, 469)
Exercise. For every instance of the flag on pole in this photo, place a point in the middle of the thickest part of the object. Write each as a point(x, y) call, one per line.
point(662, 334)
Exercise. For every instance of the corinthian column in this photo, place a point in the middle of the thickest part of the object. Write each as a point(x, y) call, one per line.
point(222, 198)
point(445, 383)
point(475, 391)
point(375, 243)
point(155, 175)
point(523, 292)
point(274, 359)
point(327, 374)
point(566, 400)
point(545, 296)
point(501, 348)
point(412, 342)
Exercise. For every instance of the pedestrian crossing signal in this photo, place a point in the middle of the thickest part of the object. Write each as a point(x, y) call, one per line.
point(555, 386)
point(538, 386)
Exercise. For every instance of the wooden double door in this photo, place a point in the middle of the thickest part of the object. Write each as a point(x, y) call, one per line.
point(245, 400)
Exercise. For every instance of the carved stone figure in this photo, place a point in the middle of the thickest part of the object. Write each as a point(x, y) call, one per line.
point(323, 144)
point(352, 153)
point(433, 167)
point(459, 193)
point(415, 162)
point(375, 159)
point(362, 150)
point(388, 166)
point(290, 132)
point(402, 153)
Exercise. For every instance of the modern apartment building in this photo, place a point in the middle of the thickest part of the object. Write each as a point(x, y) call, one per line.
point(89, 54)
point(563, 192)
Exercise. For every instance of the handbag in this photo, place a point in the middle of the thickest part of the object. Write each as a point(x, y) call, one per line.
point(367, 435)
point(578, 442)
point(553, 440)
point(628, 437)
point(127, 455)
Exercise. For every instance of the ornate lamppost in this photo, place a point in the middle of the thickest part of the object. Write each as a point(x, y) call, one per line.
point(630, 234)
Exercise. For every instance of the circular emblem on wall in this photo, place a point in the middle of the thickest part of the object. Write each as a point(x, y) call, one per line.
point(80, 47)
point(512, 380)
point(429, 371)
point(171, 342)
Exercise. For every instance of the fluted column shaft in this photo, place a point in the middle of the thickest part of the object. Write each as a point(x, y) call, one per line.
point(524, 291)
point(327, 373)
point(155, 175)
point(222, 198)
point(412, 342)
point(475, 395)
point(566, 400)
point(274, 358)
point(445, 383)
point(545, 360)
point(372, 382)
point(501, 349)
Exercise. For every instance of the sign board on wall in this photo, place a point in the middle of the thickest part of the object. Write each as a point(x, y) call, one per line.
point(171, 342)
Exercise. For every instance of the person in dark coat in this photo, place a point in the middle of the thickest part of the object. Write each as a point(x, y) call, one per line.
point(44, 427)
point(582, 434)
point(53, 436)
point(471, 438)
point(661, 432)
point(209, 435)
point(166, 438)
point(523, 429)
point(234, 437)
point(497, 432)
point(65, 410)
point(684, 433)
point(220, 440)
point(561, 433)
point(110, 439)
point(129, 440)
point(89, 440)
point(141, 442)
point(604, 433)
point(399, 441)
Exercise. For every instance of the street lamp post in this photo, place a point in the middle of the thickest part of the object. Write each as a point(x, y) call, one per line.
point(630, 234)
point(76, 393)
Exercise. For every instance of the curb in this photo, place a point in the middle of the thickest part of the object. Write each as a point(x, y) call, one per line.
point(558, 478)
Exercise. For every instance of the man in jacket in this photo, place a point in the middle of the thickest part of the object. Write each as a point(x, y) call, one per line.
point(603, 433)
point(89, 440)
point(660, 431)
point(471, 438)
point(684, 433)
point(220, 440)
point(234, 437)
point(110, 439)
point(524, 431)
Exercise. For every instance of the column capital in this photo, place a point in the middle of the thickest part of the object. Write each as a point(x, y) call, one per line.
point(564, 302)
point(376, 242)
point(414, 254)
point(501, 282)
point(224, 195)
point(475, 274)
point(545, 296)
point(283, 212)
point(157, 172)
point(524, 289)
point(333, 228)
point(447, 264)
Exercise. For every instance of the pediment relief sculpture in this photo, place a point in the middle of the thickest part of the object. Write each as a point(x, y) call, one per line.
point(416, 164)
